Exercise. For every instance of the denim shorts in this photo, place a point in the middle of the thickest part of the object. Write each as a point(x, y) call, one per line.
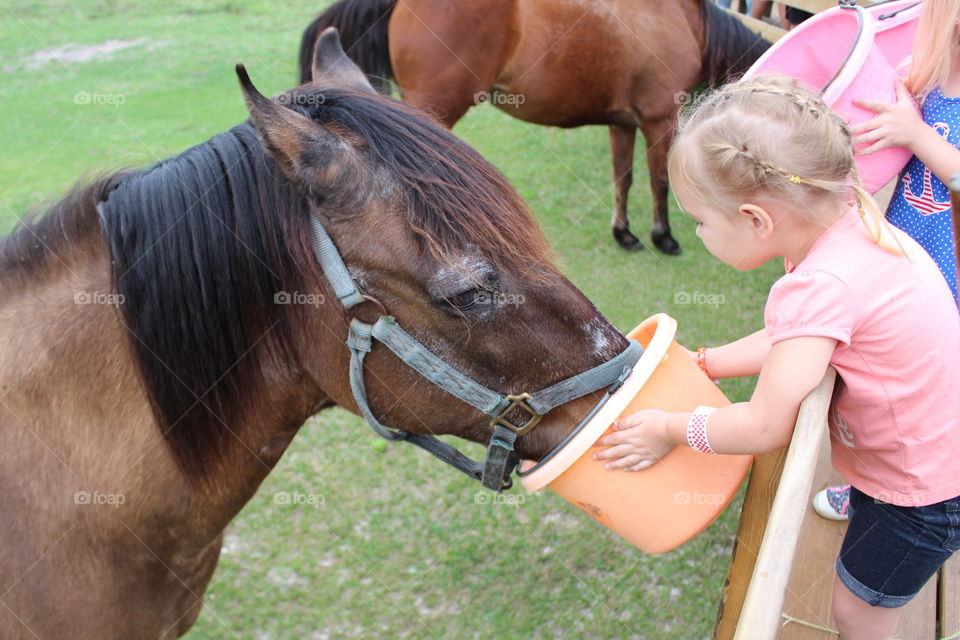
point(890, 552)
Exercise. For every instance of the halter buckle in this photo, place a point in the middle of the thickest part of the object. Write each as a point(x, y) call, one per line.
point(518, 401)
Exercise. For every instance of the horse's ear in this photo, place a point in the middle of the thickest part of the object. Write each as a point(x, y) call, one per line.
point(290, 137)
point(332, 66)
point(284, 132)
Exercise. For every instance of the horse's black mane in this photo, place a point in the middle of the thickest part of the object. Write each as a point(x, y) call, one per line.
point(201, 245)
point(731, 48)
point(202, 242)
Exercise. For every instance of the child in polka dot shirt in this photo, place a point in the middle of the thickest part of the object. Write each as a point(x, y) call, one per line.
point(921, 203)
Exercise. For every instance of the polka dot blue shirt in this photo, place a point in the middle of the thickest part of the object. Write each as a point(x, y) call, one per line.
point(921, 203)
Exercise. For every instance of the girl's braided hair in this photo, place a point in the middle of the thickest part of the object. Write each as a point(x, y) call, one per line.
point(771, 137)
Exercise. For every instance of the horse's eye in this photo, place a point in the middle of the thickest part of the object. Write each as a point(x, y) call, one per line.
point(477, 296)
point(466, 300)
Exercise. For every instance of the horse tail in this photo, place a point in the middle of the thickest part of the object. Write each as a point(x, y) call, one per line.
point(731, 48)
point(363, 33)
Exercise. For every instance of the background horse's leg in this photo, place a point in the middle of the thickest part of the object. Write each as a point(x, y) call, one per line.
point(659, 134)
point(621, 146)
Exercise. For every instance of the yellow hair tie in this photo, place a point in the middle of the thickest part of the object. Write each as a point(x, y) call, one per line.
point(795, 179)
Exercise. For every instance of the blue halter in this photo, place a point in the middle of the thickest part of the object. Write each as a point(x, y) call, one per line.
point(501, 459)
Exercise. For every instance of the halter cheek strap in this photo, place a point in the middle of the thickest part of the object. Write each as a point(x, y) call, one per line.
point(501, 455)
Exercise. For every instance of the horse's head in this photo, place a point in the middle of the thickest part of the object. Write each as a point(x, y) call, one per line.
point(438, 237)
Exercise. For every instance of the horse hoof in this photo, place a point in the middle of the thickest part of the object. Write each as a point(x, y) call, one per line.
point(665, 243)
point(627, 240)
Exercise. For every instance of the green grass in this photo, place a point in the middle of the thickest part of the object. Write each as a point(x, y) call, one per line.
point(399, 546)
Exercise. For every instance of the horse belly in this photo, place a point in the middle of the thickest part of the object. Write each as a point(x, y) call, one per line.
point(580, 62)
point(444, 54)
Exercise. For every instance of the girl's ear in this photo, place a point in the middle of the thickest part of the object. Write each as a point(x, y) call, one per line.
point(758, 218)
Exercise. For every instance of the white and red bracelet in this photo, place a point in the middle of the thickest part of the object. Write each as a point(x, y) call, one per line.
point(697, 430)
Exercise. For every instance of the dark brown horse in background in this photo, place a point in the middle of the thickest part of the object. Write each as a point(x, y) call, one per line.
point(149, 381)
point(565, 63)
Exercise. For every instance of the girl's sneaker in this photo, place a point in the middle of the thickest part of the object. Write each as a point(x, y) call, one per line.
point(833, 503)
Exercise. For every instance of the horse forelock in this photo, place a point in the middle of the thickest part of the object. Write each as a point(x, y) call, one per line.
point(451, 198)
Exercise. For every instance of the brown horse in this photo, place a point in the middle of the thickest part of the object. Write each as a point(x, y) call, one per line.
point(565, 63)
point(149, 379)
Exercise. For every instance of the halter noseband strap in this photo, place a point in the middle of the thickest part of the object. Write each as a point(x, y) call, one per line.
point(495, 472)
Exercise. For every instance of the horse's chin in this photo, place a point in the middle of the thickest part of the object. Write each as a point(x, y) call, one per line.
point(555, 427)
point(543, 439)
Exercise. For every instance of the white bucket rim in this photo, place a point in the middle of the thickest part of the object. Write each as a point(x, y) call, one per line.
point(583, 437)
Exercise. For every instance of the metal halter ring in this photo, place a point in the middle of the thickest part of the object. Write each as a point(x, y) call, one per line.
point(375, 302)
point(518, 401)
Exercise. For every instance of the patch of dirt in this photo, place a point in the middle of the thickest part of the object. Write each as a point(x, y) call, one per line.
point(80, 52)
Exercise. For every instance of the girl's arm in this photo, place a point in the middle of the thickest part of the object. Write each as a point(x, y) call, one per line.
point(898, 125)
point(741, 358)
point(759, 8)
point(792, 369)
point(936, 154)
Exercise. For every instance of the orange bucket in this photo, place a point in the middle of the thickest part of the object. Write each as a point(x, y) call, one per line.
point(661, 507)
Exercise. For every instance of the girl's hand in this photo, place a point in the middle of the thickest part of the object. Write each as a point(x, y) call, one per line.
point(895, 125)
point(637, 441)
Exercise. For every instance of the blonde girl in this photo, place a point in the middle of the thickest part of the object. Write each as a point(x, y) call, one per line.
point(767, 170)
point(920, 205)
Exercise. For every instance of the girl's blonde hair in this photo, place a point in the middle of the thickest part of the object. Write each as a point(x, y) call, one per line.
point(770, 138)
point(935, 47)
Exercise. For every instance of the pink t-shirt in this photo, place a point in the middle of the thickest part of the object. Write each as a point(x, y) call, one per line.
point(895, 418)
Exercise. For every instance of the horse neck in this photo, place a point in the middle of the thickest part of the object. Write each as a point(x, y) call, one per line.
point(75, 418)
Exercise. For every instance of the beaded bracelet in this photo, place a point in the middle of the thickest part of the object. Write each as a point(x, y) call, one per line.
point(702, 361)
point(697, 430)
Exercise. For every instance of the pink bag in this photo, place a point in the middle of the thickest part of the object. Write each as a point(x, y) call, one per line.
point(852, 52)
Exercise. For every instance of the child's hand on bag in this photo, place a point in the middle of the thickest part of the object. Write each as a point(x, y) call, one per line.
point(895, 124)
